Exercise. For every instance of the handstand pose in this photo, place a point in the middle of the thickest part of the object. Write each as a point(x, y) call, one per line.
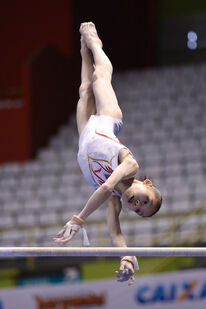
point(108, 165)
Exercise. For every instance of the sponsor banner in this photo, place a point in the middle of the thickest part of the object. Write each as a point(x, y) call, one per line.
point(71, 275)
point(179, 290)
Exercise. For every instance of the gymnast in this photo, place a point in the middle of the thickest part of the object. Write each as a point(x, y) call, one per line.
point(107, 165)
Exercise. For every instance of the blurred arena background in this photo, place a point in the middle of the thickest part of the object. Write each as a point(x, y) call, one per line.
point(158, 51)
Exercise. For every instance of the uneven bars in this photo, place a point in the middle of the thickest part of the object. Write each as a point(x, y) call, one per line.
point(101, 251)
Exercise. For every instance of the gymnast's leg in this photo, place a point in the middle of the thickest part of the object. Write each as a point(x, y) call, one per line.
point(105, 98)
point(86, 104)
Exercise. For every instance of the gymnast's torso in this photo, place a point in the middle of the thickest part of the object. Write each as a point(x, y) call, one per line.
point(99, 149)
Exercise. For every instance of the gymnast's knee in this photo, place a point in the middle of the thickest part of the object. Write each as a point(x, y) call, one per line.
point(85, 89)
point(102, 73)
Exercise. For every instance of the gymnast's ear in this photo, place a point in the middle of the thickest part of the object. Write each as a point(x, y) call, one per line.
point(147, 182)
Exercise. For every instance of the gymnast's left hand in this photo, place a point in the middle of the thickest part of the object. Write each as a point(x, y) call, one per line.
point(65, 234)
point(125, 273)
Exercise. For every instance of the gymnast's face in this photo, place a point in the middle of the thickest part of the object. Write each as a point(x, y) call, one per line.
point(140, 198)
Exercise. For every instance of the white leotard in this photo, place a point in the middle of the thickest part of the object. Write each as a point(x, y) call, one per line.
point(99, 149)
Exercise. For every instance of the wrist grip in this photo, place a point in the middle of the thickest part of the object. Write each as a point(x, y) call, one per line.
point(75, 224)
point(132, 260)
point(77, 220)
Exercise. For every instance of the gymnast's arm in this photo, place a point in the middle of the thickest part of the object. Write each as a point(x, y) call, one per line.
point(127, 169)
point(113, 210)
point(127, 268)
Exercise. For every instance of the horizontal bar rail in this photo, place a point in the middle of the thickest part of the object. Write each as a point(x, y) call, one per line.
point(101, 251)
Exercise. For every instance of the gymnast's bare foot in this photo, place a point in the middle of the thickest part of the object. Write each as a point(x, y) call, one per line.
point(89, 33)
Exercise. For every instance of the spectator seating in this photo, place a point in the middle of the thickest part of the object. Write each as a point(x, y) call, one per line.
point(164, 126)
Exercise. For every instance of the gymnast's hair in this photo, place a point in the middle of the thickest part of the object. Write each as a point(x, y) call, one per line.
point(158, 200)
point(157, 195)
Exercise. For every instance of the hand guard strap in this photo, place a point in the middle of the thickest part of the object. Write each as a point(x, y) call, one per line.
point(132, 260)
point(75, 224)
point(77, 220)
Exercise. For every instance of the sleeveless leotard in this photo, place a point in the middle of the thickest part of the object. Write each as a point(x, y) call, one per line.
point(99, 149)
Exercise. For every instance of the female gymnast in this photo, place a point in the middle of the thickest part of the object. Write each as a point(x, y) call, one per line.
point(108, 165)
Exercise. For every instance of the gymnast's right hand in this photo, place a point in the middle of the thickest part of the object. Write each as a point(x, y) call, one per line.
point(66, 233)
point(70, 229)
